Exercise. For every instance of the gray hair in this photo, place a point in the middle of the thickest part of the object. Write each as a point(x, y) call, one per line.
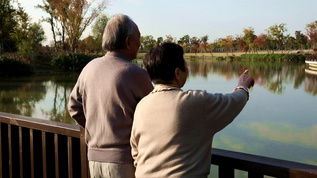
point(116, 31)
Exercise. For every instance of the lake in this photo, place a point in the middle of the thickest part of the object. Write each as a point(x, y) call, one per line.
point(279, 121)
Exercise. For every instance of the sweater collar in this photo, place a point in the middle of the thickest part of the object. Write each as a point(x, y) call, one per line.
point(164, 87)
point(118, 55)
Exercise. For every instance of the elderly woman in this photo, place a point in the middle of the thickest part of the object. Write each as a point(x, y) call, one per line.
point(173, 129)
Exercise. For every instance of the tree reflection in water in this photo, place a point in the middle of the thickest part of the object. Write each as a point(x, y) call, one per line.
point(39, 96)
point(311, 84)
point(279, 122)
point(272, 76)
point(46, 96)
point(19, 96)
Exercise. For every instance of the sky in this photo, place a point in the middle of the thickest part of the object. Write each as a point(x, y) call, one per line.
point(215, 18)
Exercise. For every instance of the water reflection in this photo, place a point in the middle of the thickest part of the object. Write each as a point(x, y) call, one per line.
point(272, 76)
point(23, 95)
point(19, 96)
point(40, 96)
point(279, 120)
point(311, 83)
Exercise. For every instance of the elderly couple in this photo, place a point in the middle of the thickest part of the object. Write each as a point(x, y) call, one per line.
point(135, 130)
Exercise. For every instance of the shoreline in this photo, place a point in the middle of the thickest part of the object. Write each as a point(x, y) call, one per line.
point(223, 54)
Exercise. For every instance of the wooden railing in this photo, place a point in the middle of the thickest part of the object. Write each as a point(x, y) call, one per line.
point(259, 166)
point(32, 147)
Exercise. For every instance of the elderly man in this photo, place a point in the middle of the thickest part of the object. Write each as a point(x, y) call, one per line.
point(104, 99)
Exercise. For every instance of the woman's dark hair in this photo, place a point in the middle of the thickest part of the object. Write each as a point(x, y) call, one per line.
point(162, 61)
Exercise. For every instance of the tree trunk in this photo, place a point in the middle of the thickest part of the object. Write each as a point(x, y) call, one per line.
point(1, 47)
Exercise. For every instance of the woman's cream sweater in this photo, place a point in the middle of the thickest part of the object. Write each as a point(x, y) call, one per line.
point(173, 130)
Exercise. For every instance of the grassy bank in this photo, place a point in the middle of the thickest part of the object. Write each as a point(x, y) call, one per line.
point(15, 65)
point(193, 56)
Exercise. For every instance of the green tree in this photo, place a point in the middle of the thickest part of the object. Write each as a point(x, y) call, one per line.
point(301, 40)
point(249, 38)
point(185, 43)
point(276, 33)
point(23, 21)
point(194, 44)
point(211, 48)
point(147, 42)
point(222, 44)
point(170, 39)
point(219, 45)
point(290, 43)
point(204, 43)
point(98, 29)
point(29, 46)
point(159, 41)
point(28, 37)
point(7, 23)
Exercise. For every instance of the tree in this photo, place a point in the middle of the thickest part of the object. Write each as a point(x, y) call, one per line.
point(29, 46)
point(23, 22)
point(311, 31)
point(147, 42)
point(170, 39)
point(75, 16)
point(243, 46)
point(249, 38)
point(290, 43)
point(227, 44)
point(98, 30)
point(7, 23)
point(50, 8)
point(88, 44)
point(15, 27)
point(261, 42)
point(222, 44)
point(204, 43)
point(211, 47)
point(301, 40)
point(185, 43)
point(194, 44)
point(276, 32)
point(36, 34)
point(159, 41)
point(219, 45)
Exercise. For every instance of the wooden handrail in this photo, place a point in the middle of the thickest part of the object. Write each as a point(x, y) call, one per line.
point(258, 166)
point(40, 124)
point(32, 147)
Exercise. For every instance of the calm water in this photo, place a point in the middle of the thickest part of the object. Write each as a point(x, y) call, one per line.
point(279, 121)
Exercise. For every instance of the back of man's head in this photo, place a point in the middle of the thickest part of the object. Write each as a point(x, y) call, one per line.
point(118, 28)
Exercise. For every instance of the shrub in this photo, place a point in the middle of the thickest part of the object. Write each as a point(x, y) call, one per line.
point(273, 57)
point(230, 58)
point(14, 66)
point(191, 57)
point(220, 58)
point(71, 62)
point(294, 57)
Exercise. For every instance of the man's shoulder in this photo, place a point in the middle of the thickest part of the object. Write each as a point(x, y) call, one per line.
point(131, 67)
point(95, 61)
